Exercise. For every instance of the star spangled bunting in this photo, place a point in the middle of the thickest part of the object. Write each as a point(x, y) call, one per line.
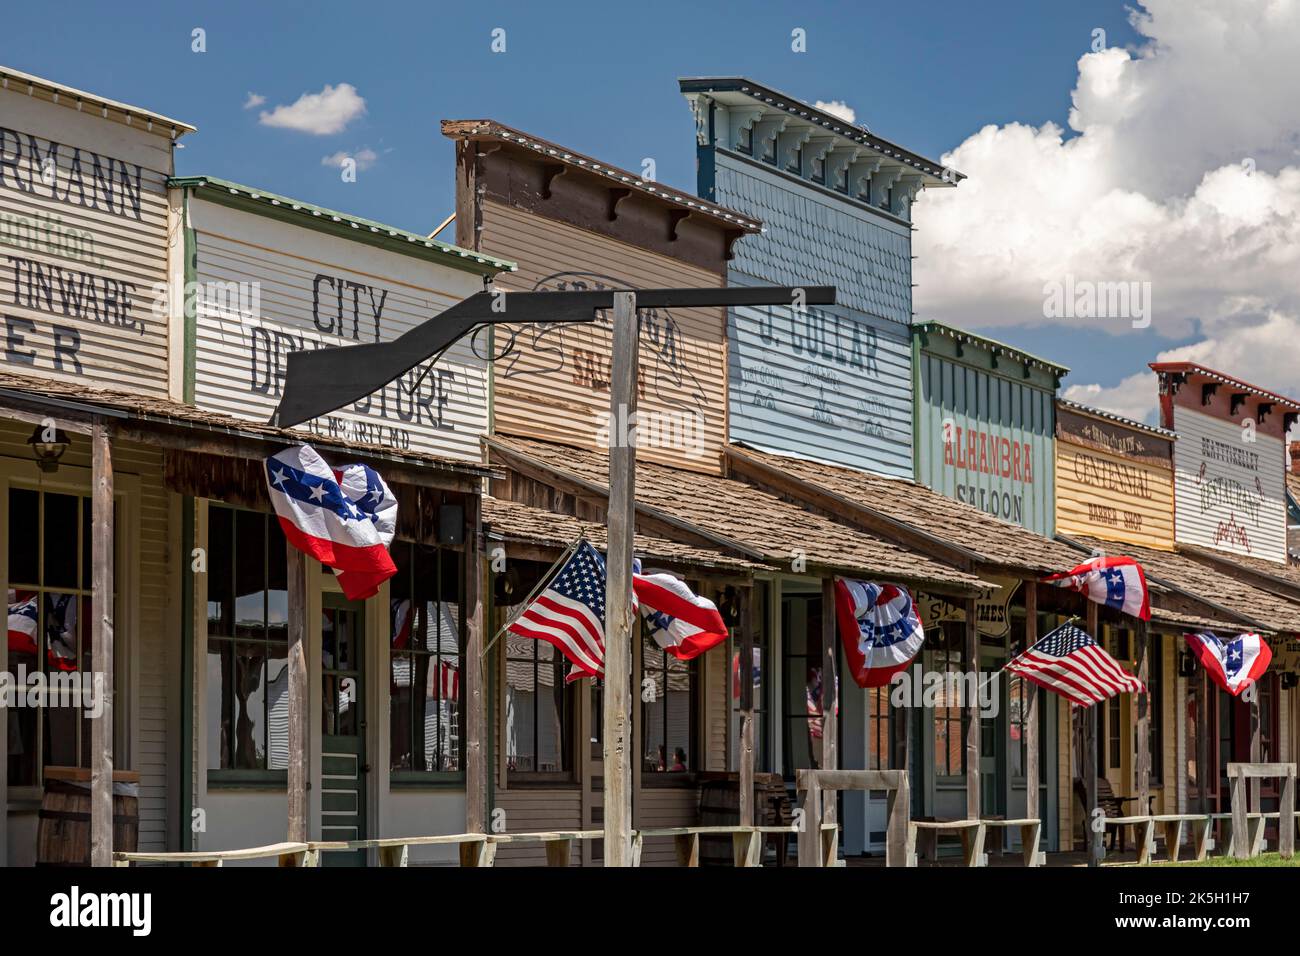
point(1070, 663)
point(1233, 664)
point(345, 519)
point(1115, 582)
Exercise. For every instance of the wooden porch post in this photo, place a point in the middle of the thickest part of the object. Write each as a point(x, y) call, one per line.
point(1092, 839)
point(830, 694)
point(1254, 784)
point(101, 638)
point(618, 604)
point(298, 695)
point(1030, 716)
point(476, 771)
point(1203, 743)
point(745, 669)
point(1143, 769)
point(972, 714)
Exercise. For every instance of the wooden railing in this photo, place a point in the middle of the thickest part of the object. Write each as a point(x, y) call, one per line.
point(477, 849)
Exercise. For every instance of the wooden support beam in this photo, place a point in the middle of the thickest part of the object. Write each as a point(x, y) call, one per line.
point(830, 694)
point(746, 671)
point(1286, 821)
point(1092, 832)
point(619, 615)
point(1143, 769)
point(972, 663)
point(299, 733)
point(1030, 717)
point(476, 722)
point(101, 638)
point(1256, 747)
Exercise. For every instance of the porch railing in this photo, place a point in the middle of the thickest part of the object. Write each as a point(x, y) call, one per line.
point(479, 849)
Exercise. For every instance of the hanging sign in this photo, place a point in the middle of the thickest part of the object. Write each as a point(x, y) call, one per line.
point(992, 608)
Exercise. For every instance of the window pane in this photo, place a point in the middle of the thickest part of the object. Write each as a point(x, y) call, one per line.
point(277, 583)
point(400, 740)
point(60, 541)
point(62, 748)
point(221, 589)
point(678, 703)
point(24, 517)
point(250, 574)
point(220, 691)
point(277, 711)
point(521, 693)
point(250, 706)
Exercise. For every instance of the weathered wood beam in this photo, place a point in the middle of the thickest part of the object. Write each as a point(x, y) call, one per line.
point(1092, 833)
point(619, 614)
point(1143, 769)
point(830, 693)
point(745, 669)
point(1030, 715)
point(476, 723)
point(972, 656)
point(299, 728)
point(102, 590)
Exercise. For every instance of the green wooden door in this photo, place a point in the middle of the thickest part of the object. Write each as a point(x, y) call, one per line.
point(343, 726)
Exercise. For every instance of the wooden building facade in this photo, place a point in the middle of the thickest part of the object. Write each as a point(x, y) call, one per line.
point(832, 383)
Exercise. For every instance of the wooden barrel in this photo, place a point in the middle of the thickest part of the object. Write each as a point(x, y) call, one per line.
point(63, 836)
point(719, 806)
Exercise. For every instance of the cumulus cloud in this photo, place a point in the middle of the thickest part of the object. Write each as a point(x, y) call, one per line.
point(1180, 167)
point(254, 100)
point(364, 157)
point(321, 114)
point(838, 108)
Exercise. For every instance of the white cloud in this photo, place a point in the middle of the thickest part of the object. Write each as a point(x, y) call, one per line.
point(254, 100)
point(1183, 170)
point(321, 114)
point(365, 158)
point(838, 108)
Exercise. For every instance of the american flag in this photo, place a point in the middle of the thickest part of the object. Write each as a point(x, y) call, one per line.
point(1070, 663)
point(570, 613)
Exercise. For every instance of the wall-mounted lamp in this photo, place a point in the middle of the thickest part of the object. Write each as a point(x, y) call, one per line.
point(1186, 664)
point(48, 452)
point(1290, 679)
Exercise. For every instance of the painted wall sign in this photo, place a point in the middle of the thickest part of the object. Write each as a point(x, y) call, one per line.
point(265, 288)
point(83, 245)
point(1113, 482)
point(992, 608)
point(1229, 487)
point(832, 385)
point(986, 440)
point(552, 382)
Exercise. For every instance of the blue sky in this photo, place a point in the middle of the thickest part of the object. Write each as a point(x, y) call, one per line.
point(600, 78)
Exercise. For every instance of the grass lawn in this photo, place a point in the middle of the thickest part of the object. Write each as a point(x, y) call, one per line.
point(1264, 859)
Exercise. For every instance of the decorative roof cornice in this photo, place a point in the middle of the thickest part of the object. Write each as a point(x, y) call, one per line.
point(492, 131)
point(73, 98)
point(344, 225)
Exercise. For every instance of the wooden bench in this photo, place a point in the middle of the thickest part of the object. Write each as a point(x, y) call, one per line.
point(285, 854)
point(1112, 807)
point(923, 840)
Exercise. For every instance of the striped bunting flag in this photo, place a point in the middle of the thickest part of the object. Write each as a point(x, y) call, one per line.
point(1070, 663)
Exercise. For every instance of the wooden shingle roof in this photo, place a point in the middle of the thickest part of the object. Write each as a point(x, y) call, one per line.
point(990, 541)
point(512, 521)
point(1207, 584)
point(741, 518)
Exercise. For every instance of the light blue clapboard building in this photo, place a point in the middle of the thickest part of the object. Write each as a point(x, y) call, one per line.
point(834, 384)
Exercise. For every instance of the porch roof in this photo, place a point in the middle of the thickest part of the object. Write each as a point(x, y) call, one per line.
point(739, 517)
point(511, 521)
point(1281, 579)
point(1229, 595)
point(910, 507)
point(183, 427)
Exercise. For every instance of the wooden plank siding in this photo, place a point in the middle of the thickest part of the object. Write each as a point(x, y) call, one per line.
point(551, 382)
point(1109, 496)
point(83, 222)
point(314, 290)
